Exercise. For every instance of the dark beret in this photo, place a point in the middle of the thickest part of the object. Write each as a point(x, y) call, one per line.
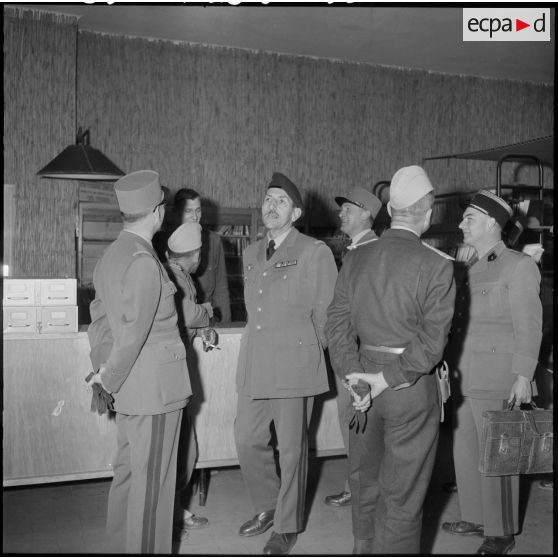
point(279, 180)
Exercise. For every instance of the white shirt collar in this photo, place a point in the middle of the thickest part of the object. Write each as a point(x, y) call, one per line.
point(358, 236)
point(279, 239)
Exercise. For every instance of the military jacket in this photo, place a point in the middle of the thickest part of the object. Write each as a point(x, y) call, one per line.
point(497, 327)
point(134, 330)
point(281, 350)
point(211, 276)
point(394, 292)
point(191, 315)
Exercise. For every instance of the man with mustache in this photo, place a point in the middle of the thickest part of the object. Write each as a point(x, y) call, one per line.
point(289, 281)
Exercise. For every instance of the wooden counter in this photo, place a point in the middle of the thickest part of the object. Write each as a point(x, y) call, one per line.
point(51, 435)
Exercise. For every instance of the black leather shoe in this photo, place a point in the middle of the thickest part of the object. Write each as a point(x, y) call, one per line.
point(463, 528)
point(257, 525)
point(279, 544)
point(496, 546)
point(338, 500)
point(362, 546)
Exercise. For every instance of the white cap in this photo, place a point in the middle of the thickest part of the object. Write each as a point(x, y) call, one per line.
point(185, 238)
point(408, 185)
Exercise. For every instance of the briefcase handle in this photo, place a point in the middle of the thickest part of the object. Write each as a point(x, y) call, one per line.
point(532, 404)
point(527, 415)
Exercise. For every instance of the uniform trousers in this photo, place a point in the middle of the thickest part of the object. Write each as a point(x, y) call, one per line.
point(141, 496)
point(187, 451)
point(489, 501)
point(391, 462)
point(345, 412)
point(286, 495)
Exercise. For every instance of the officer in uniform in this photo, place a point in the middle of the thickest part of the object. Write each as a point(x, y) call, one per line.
point(387, 326)
point(493, 352)
point(289, 281)
point(358, 209)
point(182, 259)
point(139, 357)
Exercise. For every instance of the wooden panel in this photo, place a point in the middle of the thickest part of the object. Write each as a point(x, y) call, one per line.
point(51, 435)
point(213, 381)
point(49, 430)
point(215, 406)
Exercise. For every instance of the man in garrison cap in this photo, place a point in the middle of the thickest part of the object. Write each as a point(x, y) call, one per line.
point(357, 212)
point(289, 279)
point(493, 352)
point(387, 326)
point(182, 259)
point(140, 359)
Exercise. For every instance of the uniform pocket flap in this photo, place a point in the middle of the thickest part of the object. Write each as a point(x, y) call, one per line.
point(170, 352)
point(494, 345)
point(303, 338)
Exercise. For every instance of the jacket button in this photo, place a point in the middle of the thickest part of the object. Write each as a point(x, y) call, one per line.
point(258, 327)
point(259, 309)
point(284, 276)
point(264, 273)
point(483, 291)
point(260, 291)
point(493, 350)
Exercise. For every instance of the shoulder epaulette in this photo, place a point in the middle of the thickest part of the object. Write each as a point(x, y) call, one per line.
point(439, 252)
point(362, 243)
point(142, 253)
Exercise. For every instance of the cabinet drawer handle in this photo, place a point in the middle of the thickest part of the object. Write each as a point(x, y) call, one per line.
point(17, 297)
point(22, 325)
point(48, 323)
point(58, 297)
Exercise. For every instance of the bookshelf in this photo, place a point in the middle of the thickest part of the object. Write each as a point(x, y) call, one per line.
point(237, 227)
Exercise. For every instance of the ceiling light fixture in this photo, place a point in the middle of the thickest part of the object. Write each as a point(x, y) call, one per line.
point(80, 161)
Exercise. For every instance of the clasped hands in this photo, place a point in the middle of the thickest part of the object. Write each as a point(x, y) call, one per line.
point(377, 384)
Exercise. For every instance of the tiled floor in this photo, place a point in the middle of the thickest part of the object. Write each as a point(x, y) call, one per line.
point(69, 518)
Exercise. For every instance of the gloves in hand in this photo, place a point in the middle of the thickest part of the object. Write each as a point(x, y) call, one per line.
point(101, 400)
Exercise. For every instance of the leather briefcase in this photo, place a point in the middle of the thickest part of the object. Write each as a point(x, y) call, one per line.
point(516, 442)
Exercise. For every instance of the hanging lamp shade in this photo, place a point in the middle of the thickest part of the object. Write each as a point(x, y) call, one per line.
point(81, 162)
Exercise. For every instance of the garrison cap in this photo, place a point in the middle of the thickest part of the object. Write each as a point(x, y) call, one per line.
point(491, 204)
point(138, 192)
point(185, 238)
point(361, 198)
point(408, 185)
point(279, 180)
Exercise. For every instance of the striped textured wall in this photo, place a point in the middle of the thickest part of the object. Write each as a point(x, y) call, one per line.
point(39, 85)
point(221, 120)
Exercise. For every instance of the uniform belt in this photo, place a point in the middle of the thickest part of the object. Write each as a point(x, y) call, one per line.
point(383, 349)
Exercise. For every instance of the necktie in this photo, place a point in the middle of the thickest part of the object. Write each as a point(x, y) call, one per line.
point(270, 249)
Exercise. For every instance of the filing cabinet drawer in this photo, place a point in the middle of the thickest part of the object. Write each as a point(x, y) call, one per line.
point(57, 292)
point(57, 319)
point(22, 319)
point(20, 292)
